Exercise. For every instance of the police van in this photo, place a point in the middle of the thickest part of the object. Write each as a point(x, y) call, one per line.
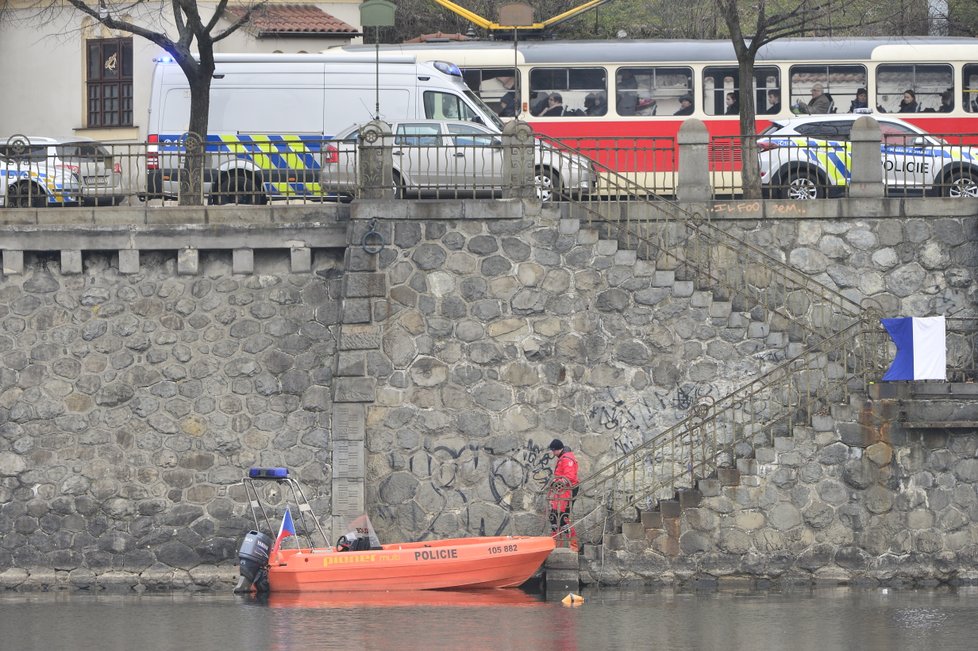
point(272, 116)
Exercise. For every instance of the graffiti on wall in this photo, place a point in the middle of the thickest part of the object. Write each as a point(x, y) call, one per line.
point(631, 419)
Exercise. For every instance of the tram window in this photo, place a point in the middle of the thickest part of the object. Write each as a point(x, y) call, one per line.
point(838, 82)
point(574, 85)
point(651, 91)
point(928, 81)
point(494, 86)
point(970, 95)
point(719, 81)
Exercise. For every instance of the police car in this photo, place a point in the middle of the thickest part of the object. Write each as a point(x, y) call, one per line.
point(26, 184)
point(809, 158)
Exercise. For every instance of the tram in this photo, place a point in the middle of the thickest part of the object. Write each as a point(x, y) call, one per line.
point(625, 99)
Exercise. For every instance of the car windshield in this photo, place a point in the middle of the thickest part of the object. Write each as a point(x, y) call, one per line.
point(15, 152)
point(771, 128)
point(82, 150)
point(488, 112)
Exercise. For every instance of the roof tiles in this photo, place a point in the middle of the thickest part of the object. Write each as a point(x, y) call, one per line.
point(293, 19)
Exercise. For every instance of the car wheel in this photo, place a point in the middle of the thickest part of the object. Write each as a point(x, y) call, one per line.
point(962, 183)
point(547, 184)
point(803, 185)
point(25, 195)
point(239, 188)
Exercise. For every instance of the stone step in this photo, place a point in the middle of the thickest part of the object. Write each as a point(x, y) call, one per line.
point(633, 531)
point(561, 581)
point(728, 476)
point(709, 487)
point(670, 508)
point(689, 498)
point(562, 558)
point(747, 467)
point(613, 541)
point(652, 520)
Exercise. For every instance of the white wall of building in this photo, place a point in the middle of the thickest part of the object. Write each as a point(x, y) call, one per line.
point(43, 70)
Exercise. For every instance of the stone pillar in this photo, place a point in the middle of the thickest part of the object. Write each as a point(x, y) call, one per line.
point(352, 394)
point(693, 183)
point(353, 388)
point(301, 259)
point(866, 181)
point(243, 261)
point(71, 262)
point(13, 262)
point(129, 261)
point(375, 161)
point(518, 158)
point(188, 262)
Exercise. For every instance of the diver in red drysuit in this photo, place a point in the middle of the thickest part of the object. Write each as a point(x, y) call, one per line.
point(562, 492)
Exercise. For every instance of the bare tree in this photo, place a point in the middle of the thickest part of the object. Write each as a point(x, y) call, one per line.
point(192, 31)
point(770, 23)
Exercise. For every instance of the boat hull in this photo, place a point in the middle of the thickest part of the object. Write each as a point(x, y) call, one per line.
point(455, 563)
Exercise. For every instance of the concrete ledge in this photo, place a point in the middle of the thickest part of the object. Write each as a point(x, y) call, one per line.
point(937, 424)
point(560, 581)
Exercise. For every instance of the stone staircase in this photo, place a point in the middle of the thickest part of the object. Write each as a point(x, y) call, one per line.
point(883, 417)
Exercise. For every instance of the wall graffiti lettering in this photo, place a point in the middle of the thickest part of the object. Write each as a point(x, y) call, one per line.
point(452, 472)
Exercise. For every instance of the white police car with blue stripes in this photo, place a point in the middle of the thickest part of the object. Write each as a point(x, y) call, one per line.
point(810, 158)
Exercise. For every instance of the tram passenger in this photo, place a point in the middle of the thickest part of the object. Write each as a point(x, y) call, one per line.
point(627, 95)
point(685, 105)
point(909, 102)
point(507, 105)
point(861, 101)
point(539, 103)
point(555, 106)
point(733, 104)
point(820, 102)
point(596, 103)
point(947, 101)
point(773, 102)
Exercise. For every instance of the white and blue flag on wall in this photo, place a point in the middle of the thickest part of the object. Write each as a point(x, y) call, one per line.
point(921, 348)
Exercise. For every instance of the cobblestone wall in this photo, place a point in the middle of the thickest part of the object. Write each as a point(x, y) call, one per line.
point(503, 335)
point(131, 405)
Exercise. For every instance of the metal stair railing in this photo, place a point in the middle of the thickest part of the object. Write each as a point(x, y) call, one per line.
point(835, 345)
point(716, 434)
point(689, 243)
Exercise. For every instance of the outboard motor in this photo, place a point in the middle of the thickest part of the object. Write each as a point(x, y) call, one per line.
point(253, 562)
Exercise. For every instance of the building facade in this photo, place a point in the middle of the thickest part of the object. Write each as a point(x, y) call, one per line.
point(76, 77)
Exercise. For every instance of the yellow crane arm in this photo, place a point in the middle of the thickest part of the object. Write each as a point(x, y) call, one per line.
point(489, 25)
point(470, 16)
point(571, 13)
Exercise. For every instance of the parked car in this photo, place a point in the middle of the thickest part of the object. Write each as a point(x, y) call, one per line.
point(99, 176)
point(26, 184)
point(809, 158)
point(455, 158)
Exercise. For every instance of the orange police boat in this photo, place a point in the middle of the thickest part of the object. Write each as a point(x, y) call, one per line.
point(359, 562)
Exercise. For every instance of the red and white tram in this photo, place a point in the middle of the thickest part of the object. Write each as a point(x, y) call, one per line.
point(622, 99)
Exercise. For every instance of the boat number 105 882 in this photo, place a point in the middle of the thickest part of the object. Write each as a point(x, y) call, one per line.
point(502, 549)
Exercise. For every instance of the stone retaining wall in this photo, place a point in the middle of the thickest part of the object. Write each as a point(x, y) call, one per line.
point(130, 405)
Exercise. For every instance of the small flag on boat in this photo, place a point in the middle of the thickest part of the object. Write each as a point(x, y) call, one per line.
point(921, 348)
point(287, 529)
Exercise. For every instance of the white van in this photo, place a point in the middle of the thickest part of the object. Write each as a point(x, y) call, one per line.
point(271, 116)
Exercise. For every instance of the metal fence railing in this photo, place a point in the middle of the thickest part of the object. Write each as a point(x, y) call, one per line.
point(256, 170)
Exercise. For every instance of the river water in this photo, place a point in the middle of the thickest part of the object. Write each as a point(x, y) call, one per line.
point(819, 620)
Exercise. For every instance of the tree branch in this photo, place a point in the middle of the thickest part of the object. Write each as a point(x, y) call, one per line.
point(236, 25)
